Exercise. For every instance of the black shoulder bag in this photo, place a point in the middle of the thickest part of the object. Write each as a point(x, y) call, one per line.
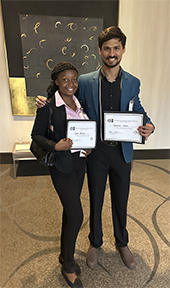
point(45, 158)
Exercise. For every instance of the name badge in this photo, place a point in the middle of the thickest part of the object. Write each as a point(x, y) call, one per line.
point(131, 103)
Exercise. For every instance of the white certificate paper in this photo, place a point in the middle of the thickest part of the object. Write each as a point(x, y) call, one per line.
point(122, 126)
point(83, 133)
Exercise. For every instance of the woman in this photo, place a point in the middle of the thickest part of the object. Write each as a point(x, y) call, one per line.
point(68, 172)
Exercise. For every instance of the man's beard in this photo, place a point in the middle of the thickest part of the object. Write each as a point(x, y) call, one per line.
point(111, 66)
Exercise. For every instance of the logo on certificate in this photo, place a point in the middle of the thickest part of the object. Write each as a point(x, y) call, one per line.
point(110, 120)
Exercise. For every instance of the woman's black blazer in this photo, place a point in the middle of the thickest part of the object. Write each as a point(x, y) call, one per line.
point(63, 159)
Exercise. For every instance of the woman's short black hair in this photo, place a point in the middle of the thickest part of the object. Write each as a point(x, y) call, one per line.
point(60, 67)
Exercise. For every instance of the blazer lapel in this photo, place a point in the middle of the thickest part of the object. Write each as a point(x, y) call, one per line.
point(124, 91)
point(95, 90)
point(59, 119)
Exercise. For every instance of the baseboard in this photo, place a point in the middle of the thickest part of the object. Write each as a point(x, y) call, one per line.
point(151, 154)
point(6, 158)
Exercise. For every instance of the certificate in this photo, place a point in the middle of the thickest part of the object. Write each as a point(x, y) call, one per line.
point(122, 126)
point(83, 133)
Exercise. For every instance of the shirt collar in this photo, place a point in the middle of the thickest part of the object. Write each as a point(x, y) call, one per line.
point(59, 101)
point(103, 76)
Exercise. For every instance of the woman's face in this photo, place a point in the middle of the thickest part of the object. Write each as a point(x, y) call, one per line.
point(68, 82)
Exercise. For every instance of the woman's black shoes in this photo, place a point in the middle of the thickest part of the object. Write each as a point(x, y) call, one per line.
point(77, 267)
point(77, 283)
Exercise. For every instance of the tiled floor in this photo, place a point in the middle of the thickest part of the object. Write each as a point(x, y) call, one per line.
point(30, 232)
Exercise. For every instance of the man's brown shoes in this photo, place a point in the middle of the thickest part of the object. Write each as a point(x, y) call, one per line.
point(125, 253)
point(127, 256)
point(92, 257)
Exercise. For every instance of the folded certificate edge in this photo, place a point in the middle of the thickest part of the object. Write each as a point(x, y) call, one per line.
point(126, 140)
point(83, 148)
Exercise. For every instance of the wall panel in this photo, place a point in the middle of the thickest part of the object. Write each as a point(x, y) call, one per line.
point(146, 25)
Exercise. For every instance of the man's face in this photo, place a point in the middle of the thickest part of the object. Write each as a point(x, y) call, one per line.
point(111, 52)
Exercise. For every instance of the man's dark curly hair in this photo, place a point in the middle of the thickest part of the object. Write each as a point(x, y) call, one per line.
point(112, 32)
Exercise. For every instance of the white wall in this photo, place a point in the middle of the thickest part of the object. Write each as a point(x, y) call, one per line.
point(146, 25)
point(11, 127)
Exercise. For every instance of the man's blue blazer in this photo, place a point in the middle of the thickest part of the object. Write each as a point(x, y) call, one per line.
point(89, 99)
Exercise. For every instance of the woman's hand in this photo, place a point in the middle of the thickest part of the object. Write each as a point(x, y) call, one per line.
point(146, 130)
point(64, 144)
point(40, 101)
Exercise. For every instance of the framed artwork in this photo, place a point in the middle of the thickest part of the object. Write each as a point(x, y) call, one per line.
point(39, 34)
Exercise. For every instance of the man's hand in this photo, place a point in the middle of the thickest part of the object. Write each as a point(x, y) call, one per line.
point(86, 152)
point(40, 101)
point(64, 144)
point(146, 131)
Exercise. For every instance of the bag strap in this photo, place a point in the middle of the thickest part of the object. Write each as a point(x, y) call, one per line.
point(50, 115)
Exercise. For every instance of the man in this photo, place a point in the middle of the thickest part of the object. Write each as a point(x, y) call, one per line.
point(110, 89)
